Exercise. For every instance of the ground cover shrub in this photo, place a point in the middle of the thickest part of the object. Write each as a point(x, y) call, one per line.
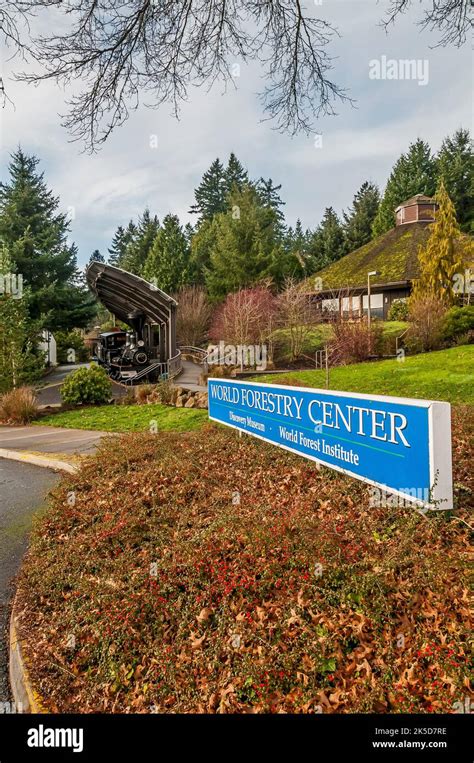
point(232, 576)
point(87, 385)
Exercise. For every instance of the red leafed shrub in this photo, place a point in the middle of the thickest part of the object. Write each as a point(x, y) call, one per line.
point(245, 317)
point(354, 342)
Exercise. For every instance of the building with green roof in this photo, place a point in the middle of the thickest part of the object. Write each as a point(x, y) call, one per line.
point(389, 263)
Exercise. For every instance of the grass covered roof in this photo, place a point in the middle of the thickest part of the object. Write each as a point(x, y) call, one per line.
point(394, 255)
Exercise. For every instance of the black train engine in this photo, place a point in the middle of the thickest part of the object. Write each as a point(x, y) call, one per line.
point(125, 355)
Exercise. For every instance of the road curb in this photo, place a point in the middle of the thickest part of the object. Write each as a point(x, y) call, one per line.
point(32, 458)
point(25, 698)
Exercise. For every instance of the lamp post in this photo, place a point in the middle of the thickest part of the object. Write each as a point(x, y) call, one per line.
point(369, 276)
point(369, 311)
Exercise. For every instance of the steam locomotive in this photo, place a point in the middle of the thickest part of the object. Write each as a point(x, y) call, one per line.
point(127, 356)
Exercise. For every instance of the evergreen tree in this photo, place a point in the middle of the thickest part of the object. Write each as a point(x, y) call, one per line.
point(269, 197)
point(245, 245)
point(138, 249)
point(235, 176)
point(168, 260)
point(327, 242)
point(210, 193)
point(202, 245)
point(296, 242)
point(96, 256)
point(122, 238)
point(441, 259)
point(455, 163)
point(35, 233)
point(413, 173)
point(21, 362)
point(359, 219)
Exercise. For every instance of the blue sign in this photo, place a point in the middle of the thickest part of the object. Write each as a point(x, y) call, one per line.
point(400, 445)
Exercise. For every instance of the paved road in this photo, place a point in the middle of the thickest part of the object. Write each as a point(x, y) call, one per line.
point(22, 491)
point(59, 374)
point(49, 439)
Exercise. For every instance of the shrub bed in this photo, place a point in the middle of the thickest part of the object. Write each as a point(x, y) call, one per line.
point(203, 573)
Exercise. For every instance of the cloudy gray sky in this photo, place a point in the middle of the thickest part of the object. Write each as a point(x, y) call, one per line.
point(108, 188)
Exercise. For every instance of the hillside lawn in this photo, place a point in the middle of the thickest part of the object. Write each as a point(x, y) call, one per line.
point(128, 418)
point(321, 333)
point(444, 375)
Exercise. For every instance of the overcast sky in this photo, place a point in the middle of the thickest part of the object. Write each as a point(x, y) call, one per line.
point(362, 143)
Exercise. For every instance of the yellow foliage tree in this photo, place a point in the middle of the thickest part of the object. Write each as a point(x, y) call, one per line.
point(442, 258)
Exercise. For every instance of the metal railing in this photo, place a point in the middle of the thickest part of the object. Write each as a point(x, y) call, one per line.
point(397, 339)
point(175, 365)
point(190, 350)
point(144, 372)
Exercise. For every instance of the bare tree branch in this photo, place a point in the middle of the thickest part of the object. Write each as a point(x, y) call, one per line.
point(449, 17)
point(118, 52)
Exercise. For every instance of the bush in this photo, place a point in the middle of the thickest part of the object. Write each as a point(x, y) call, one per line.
point(354, 342)
point(165, 391)
point(398, 311)
point(193, 315)
point(71, 340)
point(143, 392)
point(426, 314)
point(459, 324)
point(19, 406)
point(87, 385)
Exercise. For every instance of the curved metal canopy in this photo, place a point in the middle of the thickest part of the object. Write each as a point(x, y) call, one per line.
point(122, 292)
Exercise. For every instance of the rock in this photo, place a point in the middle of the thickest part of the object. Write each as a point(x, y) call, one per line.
point(190, 403)
point(180, 401)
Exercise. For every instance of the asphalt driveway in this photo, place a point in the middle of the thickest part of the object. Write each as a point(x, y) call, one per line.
point(49, 439)
point(22, 492)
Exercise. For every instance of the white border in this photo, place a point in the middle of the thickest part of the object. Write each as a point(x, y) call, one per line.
point(439, 440)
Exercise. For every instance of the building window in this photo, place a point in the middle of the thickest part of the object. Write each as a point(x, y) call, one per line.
point(331, 305)
point(376, 305)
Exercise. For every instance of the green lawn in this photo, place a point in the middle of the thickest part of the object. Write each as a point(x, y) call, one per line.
point(128, 418)
point(444, 375)
point(315, 339)
point(321, 333)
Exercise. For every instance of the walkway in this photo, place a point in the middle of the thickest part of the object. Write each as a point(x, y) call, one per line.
point(189, 377)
